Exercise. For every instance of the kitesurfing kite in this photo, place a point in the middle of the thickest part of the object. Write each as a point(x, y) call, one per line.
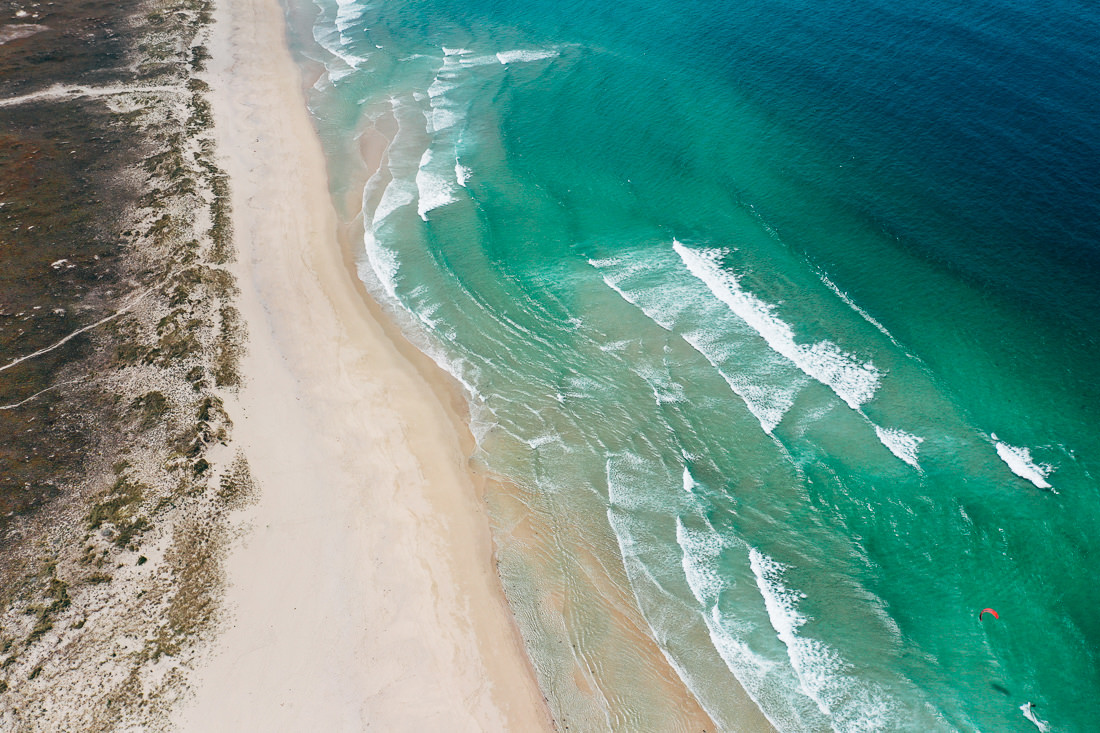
point(988, 610)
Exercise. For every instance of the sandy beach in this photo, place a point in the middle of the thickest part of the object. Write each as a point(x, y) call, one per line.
point(362, 590)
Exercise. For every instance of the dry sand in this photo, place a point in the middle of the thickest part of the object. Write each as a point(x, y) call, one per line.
point(362, 592)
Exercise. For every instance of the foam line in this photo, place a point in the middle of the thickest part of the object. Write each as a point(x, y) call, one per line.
point(525, 56)
point(902, 444)
point(768, 403)
point(863, 314)
point(766, 682)
point(700, 554)
point(383, 262)
point(16, 31)
point(689, 482)
point(665, 390)
point(433, 189)
point(334, 42)
point(851, 706)
point(462, 174)
point(347, 12)
point(1019, 462)
point(398, 193)
point(853, 381)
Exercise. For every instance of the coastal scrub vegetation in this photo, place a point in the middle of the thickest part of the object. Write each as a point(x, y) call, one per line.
point(118, 477)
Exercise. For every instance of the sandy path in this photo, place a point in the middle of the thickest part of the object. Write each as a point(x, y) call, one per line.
point(364, 593)
point(79, 92)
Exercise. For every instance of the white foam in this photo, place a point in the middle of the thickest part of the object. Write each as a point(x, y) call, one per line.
point(468, 61)
point(383, 262)
point(665, 306)
point(768, 404)
point(637, 571)
point(700, 554)
point(1020, 463)
point(397, 194)
point(625, 472)
point(689, 481)
point(614, 347)
point(525, 55)
point(355, 61)
point(583, 386)
point(765, 680)
point(1042, 725)
point(380, 270)
point(434, 190)
point(665, 390)
point(627, 297)
point(757, 675)
point(425, 312)
point(852, 380)
point(443, 118)
point(820, 670)
point(902, 444)
point(662, 307)
point(443, 113)
point(541, 440)
point(462, 174)
point(345, 62)
point(440, 86)
point(605, 262)
point(352, 62)
point(864, 314)
point(347, 12)
point(465, 57)
point(782, 606)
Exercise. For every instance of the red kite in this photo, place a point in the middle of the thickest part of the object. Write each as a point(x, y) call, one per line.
point(988, 610)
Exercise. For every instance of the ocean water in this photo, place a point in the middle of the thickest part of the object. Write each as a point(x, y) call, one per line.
point(778, 325)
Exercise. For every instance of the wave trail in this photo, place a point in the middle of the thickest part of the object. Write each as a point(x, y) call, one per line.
point(1020, 463)
point(767, 681)
point(383, 262)
point(347, 13)
point(862, 313)
point(853, 381)
point(524, 55)
point(902, 444)
point(701, 552)
point(434, 190)
point(822, 674)
point(462, 174)
point(397, 194)
point(658, 290)
point(335, 40)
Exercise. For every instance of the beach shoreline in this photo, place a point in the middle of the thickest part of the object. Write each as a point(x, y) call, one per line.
point(361, 590)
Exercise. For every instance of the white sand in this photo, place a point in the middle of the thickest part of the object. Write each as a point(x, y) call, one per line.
point(364, 593)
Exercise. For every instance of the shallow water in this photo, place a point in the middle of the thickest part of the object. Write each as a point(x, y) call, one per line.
point(779, 321)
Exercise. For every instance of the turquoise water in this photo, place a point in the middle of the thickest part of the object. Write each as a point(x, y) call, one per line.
point(777, 324)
